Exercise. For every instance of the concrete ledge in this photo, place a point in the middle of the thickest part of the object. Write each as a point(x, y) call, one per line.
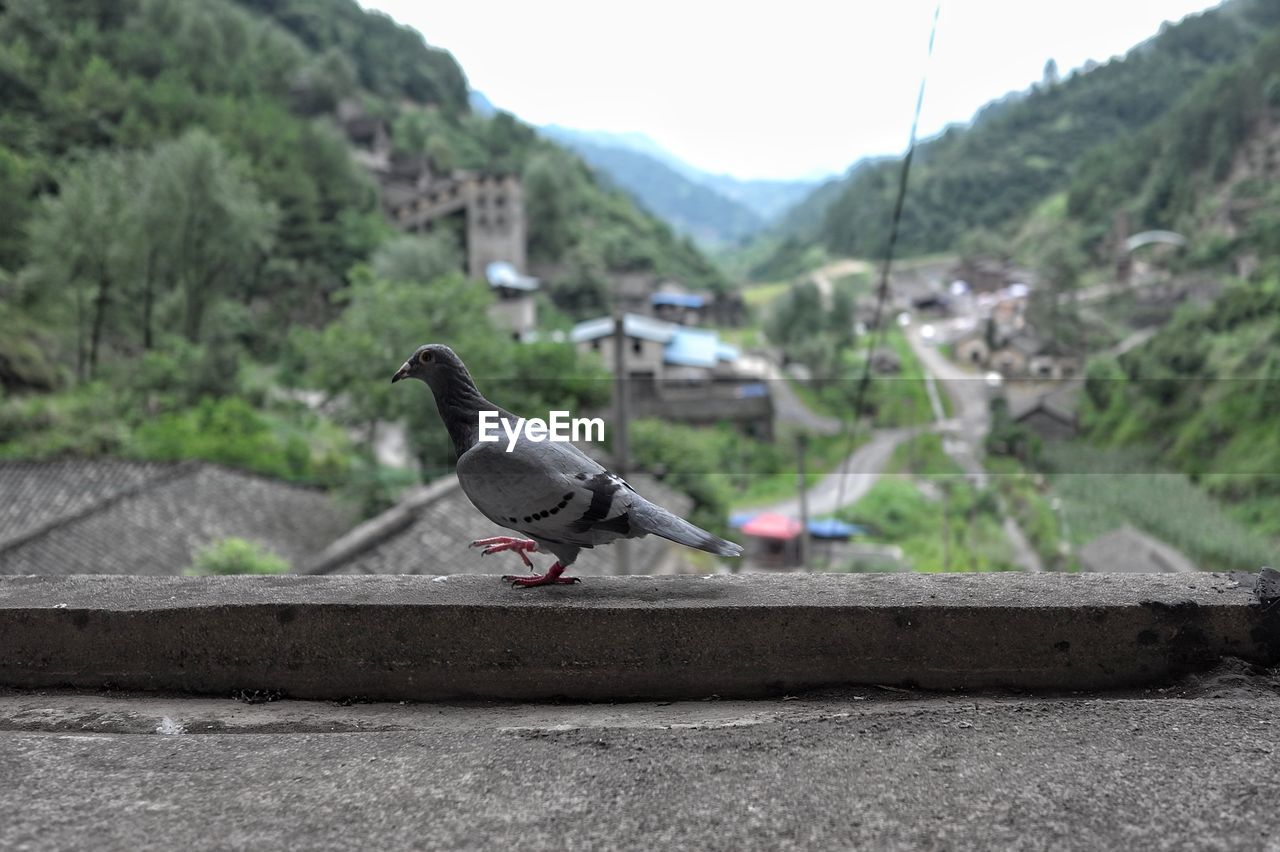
point(425, 638)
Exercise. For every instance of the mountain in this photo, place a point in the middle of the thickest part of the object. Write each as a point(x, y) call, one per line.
point(691, 208)
point(713, 208)
point(1025, 146)
point(480, 104)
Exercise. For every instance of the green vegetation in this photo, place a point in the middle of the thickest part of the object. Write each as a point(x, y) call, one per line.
point(1027, 499)
point(188, 249)
point(1183, 171)
point(687, 205)
point(1204, 391)
point(898, 399)
point(1025, 147)
point(1102, 490)
point(789, 257)
point(720, 467)
point(925, 505)
point(236, 556)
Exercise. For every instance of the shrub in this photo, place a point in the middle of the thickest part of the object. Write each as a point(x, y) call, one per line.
point(236, 556)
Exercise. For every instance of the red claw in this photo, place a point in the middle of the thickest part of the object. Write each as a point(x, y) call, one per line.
point(499, 543)
point(551, 578)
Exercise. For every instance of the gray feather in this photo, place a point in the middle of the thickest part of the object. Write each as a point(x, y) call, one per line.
point(649, 518)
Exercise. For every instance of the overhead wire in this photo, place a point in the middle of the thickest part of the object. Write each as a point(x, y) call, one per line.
point(882, 292)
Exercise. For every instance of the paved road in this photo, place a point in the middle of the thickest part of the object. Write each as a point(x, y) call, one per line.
point(866, 769)
point(964, 434)
point(824, 277)
point(859, 472)
point(789, 408)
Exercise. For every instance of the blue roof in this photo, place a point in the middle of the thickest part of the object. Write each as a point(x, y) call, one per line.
point(503, 274)
point(679, 300)
point(725, 352)
point(693, 348)
point(737, 519)
point(833, 528)
point(634, 325)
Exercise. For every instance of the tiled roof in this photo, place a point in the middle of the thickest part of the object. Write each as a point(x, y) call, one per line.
point(157, 523)
point(35, 494)
point(1129, 550)
point(434, 539)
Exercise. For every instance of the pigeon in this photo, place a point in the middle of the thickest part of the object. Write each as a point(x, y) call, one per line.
point(557, 497)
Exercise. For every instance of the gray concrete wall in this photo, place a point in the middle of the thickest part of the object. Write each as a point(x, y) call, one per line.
point(426, 638)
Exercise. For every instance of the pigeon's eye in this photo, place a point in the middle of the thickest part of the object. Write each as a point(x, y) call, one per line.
point(424, 358)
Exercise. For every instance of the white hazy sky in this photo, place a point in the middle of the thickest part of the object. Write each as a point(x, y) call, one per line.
point(777, 90)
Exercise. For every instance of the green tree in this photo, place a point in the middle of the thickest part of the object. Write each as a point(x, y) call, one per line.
point(206, 222)
point(416, 258)
point(79, 248)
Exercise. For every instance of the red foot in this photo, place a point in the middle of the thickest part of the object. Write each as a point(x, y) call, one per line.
point(499, 543)
point(551, 578)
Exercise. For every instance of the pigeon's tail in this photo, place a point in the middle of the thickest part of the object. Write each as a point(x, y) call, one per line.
point(649, 518)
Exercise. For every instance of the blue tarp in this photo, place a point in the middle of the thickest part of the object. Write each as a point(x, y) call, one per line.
point(737, 519)
point(833, 528)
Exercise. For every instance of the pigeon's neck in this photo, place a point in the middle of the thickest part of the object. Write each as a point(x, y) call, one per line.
point(460, 404)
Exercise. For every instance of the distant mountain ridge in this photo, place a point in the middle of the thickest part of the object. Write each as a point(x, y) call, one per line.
point(1022, 148)
point(712, 208)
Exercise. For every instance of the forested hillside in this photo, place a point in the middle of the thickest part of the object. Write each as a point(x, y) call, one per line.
point(184, 233)
point(1204, 395)
point(715, 209)
point(1027, 146)
point(689, 207)
point(1210, 168)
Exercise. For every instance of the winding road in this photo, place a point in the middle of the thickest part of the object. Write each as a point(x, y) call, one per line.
point(963, 435)
point(859, 472)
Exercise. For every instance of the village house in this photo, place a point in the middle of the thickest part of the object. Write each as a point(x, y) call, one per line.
point(972, 349)
point(487, 208)
point(681, 373)
point(1049, 414)
point(515, 305)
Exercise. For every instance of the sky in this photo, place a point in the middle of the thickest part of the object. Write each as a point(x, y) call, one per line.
point(797, 89)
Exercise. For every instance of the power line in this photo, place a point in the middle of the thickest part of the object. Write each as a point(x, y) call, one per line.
point(882, 293)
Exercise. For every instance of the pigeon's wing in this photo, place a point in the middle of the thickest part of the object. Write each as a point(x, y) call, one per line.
point(548, 491)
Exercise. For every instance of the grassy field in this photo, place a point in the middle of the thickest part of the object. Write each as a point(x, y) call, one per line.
point(1028, 498)
point(926, 506)
point(898, 400)
point(757, 296)
point(1101, 489)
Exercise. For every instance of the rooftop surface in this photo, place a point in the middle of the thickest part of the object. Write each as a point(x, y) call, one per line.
point(93, 516)
point(1188, 766)
point(842, 750)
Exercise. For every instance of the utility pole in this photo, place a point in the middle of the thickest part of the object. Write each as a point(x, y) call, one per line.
point(802, 441)
point(946, 525)
point(621, 446)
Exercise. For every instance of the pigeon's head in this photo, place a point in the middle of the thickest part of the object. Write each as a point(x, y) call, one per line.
point(434, 363)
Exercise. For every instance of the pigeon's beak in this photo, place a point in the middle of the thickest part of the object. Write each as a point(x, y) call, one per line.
point(402, 373)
